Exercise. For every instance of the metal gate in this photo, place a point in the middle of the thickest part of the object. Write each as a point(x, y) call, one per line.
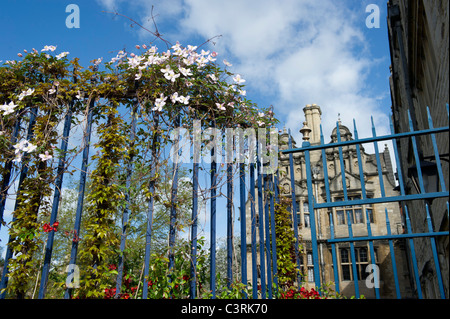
point(262, 248)
point(423, 198)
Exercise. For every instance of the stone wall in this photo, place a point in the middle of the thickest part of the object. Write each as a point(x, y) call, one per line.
point(418, 37)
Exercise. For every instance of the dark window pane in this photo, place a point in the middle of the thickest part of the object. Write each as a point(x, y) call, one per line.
point(362, 271)
point(307, 221)
point(305, 207)
point(346, 272)
point(370, 213)
point(358, 216)
point(363, 255)
point(349, 212)
point(344, 256)
point(340, 217)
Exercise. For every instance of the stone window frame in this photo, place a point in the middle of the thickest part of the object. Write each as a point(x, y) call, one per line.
point(346, 269)
point(361, 209)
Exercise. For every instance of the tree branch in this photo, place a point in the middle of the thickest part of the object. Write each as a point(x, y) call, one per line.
point(155, 33)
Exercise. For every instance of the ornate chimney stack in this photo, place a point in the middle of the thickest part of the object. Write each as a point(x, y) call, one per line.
point(305, 130)
point(313, 119)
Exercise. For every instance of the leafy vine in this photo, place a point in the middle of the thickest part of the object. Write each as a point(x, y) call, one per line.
point(155, 87)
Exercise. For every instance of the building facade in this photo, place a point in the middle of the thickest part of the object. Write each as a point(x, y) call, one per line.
point(375, 213)
point(419, 48)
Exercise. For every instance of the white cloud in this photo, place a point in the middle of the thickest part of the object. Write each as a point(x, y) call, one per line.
point(110, 4)
point(298, 52)
point(291, 53)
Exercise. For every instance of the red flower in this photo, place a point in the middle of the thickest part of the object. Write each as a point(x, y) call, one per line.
point(75, 237)
point(47, 228)
point(112, 267)
point(302, 293)
point(110, 293)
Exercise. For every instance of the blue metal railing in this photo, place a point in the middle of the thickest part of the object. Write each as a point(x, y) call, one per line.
point(402, 198)
point(261, 249)
point(22, 177)
point(81, 191)
point(262, 252)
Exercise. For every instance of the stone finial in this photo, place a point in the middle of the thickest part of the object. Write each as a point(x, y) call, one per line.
point(305, 130)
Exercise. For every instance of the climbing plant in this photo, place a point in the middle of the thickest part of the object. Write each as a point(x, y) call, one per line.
point(285, 240)
point(160, 89)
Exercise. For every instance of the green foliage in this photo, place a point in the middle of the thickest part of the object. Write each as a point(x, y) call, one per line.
point(32, 197)
point(236, 290)
point(174, 283)
point(128, 87)
point(285, 240)
point(103, 200)
point(162, 282)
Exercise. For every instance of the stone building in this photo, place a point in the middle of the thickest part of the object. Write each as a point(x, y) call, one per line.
point(375, 212)
point(419, 47)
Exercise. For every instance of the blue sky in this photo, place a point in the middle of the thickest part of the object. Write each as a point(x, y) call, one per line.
point(291, 52)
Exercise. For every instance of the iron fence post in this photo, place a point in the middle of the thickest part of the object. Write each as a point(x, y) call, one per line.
point(413, 255)
point(56, 200)
point(81, 190)
point(174, 199)
point(435, 255)
point(311, 204)
point(212, 279)
point(229, 225)
point(126, 213)
point(392, 253)
point(151, 203)
point(295, 210)
point(267, 231)
point(272, 186)
point(243, 224)
point(8, 171)
point(349, 222)
point(253, 230)
point(23, 175)
point(261, 224)
point(196, 158)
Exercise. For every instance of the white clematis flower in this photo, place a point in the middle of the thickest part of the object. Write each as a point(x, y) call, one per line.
point(185, 72)
point(227, 63)
point(238, 79)
point(49, 48)
point(184, 99)
point(61, 55)
point(45, 157)
point(24, 146)
point(159, 103)
point(221, 107)
point(8, 108)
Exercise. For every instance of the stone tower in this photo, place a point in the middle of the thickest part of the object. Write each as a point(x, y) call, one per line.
point(313, 119)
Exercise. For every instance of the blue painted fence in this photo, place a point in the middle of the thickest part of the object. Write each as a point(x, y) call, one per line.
point(251, 180)
point(421, 198)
